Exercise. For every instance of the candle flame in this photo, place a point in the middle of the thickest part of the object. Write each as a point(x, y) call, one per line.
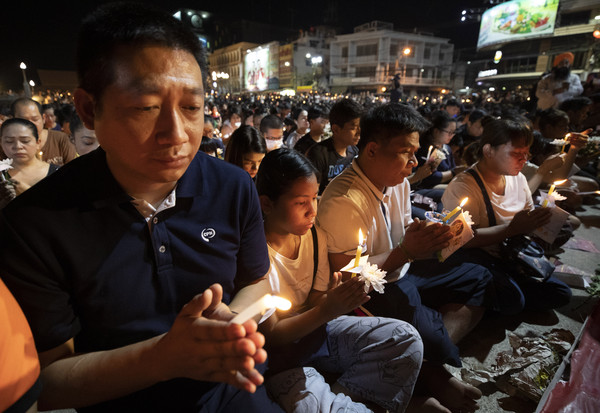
point(562, 181)
point(273, 301)
point(463, 202)
point(360, 236)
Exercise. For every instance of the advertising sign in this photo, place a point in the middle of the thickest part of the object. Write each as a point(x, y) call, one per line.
point(517, 20)
point(256, 70)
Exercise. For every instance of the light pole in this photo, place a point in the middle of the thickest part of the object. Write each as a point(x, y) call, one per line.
point(316, 61)
point(406, 52)
point(26, 88)
point(32, 84)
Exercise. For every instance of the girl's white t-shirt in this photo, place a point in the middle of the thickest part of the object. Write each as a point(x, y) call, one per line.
point(292, 279)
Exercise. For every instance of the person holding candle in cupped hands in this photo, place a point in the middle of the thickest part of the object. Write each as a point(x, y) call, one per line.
point(375, 360)
point(124, 278)
point(444, 301)
point(503, 151)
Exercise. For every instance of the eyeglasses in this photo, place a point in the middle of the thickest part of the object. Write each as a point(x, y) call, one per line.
point(449, 132)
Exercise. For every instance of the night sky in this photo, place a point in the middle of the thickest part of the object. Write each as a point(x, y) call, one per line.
point(43, 36)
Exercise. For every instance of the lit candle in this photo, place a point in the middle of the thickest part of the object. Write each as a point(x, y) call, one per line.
point(265, 303)
point(359, 248)
point(567, 136)
point(429, 152)
point(545, 203)
point(455, 210)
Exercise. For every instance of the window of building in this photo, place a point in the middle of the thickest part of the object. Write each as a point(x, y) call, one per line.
point(427, 52)
point(366, 71)
point(366, 50)
point(393, 50)
point(314, 43)
point(345, 51)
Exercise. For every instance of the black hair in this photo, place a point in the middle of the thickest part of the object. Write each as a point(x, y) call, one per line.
point(22, 102)
point(315, 112)
point(476, 114)
point(452, 102)
point(245, 139)
point(502, 131)
point(23, 122)
point(280, 169)
point(65, 113)
point(551, 117)
point(297, 111)
point(47, 106)
point(343, 111)
point(575, 104)
point(127, 24)
point(382, 123)
point(208, 145)
point(440, 119)
point(270, 122)
point(75, 123)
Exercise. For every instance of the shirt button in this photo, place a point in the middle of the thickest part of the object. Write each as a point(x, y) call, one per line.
point(155, 220)
point(162, 249)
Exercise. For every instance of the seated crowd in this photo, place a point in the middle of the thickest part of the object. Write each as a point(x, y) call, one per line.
point(130, 247)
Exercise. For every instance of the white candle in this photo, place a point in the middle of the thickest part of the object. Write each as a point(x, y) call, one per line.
point(429, 152)
point(455, 210)
point(545, 203)
point(359, 248)
point(265, 303)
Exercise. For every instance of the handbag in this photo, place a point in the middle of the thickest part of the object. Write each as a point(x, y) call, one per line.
point(524, 255)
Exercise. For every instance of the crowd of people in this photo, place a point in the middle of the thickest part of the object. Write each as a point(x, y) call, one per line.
point(136, 228)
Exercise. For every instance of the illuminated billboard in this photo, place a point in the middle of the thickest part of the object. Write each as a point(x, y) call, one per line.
point(517, 20)
point(256, 69)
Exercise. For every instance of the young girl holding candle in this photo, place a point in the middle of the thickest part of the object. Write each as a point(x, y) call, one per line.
point(504, 149)
point(377, 359)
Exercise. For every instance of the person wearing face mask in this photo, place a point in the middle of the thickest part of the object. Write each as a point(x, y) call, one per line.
point(271, 127)
point(560, 84)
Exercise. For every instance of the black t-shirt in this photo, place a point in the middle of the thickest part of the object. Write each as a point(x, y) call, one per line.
point(328, 162)
point(304, 144)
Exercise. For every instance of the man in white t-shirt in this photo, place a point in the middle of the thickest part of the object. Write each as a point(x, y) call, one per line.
point(373, 195)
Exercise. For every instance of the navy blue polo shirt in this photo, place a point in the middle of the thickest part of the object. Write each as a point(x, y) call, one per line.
point(83, 263)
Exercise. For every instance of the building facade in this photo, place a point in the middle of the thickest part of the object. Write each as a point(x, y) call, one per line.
point(226, 66)
point(369, 58)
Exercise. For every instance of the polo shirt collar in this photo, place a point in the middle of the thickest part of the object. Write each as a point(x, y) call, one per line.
point(104, 190)
point(381, 196)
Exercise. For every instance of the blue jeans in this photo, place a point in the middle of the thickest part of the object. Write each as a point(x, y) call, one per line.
point(377, 359)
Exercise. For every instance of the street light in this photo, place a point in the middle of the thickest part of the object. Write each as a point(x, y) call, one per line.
point(406, 52)
point(32, 84)
point(26, 89)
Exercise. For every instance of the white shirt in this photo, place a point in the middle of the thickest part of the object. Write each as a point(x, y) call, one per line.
point(548, 84)
point(292, 279)
point(516, 198)
point(351, 202)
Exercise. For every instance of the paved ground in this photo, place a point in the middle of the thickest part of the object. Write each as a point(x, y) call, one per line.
point(490, 337)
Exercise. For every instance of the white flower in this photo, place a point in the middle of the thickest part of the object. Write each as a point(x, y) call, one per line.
point(468, 218)
point(559, 142)
point(372, 276)
point(5, 164)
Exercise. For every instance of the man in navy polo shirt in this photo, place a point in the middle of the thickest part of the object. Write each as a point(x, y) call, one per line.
point(123, 262)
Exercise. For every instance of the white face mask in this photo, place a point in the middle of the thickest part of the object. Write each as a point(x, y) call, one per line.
point(238, 124)
point(273, 144)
